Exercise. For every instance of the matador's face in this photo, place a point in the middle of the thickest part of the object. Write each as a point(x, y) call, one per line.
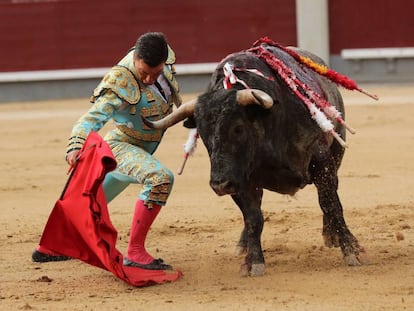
point(147, 74)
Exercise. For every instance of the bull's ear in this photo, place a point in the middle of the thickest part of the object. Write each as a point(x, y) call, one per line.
point(254, 96)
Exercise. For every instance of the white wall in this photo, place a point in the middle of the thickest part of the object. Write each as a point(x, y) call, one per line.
point(312, 26)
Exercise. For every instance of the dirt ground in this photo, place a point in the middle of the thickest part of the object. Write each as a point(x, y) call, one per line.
point(197, 231)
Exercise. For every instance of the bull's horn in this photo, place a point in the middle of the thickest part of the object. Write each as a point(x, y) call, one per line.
point(254, 96)
point(184, 111)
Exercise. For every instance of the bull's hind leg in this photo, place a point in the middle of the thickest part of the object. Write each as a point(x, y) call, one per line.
point(249, 202)
point(335, 231)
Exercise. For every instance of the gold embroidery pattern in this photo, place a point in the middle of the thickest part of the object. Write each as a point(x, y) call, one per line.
point(157, 181)
point(161, 188)
point(122, 82)
point(150, 111)
point(149, 95)
point(75, 143)
point(173, 85)
point(154, 136)
point(171, 56)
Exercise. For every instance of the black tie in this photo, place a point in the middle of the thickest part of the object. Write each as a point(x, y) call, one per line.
point(160, 89)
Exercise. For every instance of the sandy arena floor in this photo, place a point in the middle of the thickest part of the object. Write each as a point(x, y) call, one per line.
point(197, 230)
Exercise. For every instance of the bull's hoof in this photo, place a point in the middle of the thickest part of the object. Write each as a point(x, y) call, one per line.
point(352, 260)
point(240, 250)
point(257, 269)
point(331, 240)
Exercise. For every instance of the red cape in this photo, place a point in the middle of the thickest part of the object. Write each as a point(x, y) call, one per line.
point(79, 225)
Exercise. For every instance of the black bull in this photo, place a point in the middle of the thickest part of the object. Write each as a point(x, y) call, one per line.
point(273, 144)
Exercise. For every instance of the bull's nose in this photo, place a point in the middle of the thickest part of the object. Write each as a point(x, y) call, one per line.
point(223, 188)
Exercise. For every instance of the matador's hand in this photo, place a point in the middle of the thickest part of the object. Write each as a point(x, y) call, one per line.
point(72, 157)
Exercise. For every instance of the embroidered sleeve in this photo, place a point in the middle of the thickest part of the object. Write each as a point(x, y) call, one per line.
point(93, 120)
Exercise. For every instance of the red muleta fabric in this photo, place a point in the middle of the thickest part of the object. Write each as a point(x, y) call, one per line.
point(79, 225)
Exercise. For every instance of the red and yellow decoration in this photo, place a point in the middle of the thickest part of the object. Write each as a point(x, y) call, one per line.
point(332, 75)
point(320, 110)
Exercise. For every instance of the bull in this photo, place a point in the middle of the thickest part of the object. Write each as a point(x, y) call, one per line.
point(257, 122)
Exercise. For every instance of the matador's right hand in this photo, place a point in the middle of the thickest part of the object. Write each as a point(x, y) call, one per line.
point(72, 157)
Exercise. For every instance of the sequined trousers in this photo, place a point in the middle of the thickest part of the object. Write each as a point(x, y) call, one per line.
point(137, 166)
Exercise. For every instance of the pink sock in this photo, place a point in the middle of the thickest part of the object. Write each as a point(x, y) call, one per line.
point(141, 223)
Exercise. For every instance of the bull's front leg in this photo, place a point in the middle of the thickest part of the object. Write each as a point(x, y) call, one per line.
point(249, 202)
point(335, 231)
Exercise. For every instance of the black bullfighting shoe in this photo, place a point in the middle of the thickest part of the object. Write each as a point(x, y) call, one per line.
point(156, 264)
point(42, 257)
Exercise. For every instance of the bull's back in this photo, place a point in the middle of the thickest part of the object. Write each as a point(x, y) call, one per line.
point(327, 88)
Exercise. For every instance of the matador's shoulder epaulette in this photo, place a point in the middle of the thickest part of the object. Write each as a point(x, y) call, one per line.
point(171, 56)
point(122, 82)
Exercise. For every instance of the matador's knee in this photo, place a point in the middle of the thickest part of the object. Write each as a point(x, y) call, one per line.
point(161, 188)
